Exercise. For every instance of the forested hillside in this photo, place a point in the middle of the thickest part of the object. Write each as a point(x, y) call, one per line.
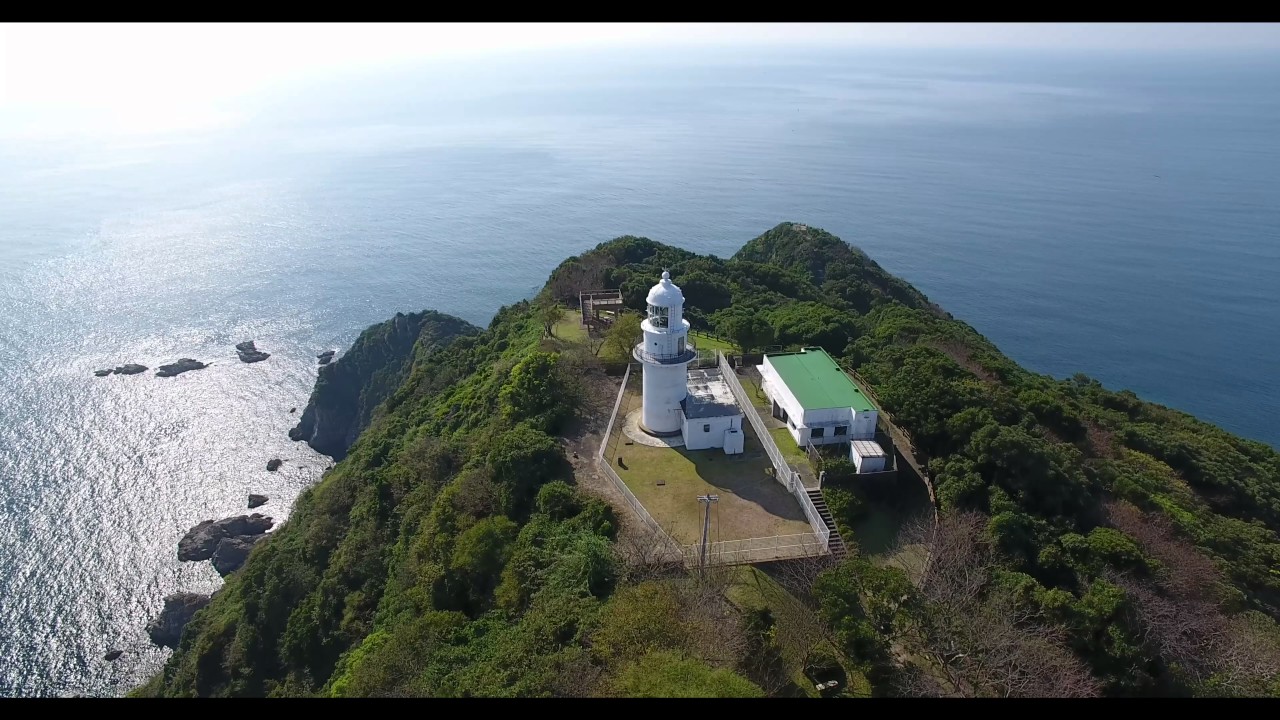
point(1090, 543)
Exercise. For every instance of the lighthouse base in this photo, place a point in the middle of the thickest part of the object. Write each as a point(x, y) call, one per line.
point(633, 430)
point(671, 433)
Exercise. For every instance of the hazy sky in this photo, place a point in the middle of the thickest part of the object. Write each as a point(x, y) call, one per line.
point(146, 77)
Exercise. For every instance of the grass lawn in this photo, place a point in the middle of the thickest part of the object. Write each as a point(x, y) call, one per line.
point(876, 529)
point(569, 328)
point(791, 452)
point(752, 504)
point(706, 342)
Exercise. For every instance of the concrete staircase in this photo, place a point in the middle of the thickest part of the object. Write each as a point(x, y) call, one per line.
point(835, 543)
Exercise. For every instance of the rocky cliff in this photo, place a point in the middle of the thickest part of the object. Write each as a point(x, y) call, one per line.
point(347, 391)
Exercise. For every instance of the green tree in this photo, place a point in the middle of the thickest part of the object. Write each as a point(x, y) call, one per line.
point(667, 674)
point(749, 331)
point(537, 390)
point(621, 337)
point(548, 312)
point(558, 500)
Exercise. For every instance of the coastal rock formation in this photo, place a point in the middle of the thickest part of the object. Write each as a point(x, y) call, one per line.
point(166, 629)
point(129, 369)
point(232, 552)
point(113, 655)
point(274, 465)
point(257, 500)
point(250, 353)
point(201, 541)
point(326, 356)
point(348, 390)
point(179, 367)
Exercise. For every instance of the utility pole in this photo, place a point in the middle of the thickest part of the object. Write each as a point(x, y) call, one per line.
point(706, 500)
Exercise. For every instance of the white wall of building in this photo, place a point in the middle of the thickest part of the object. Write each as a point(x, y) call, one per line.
point(734, 440)
point(705, 433)
point(664, 386)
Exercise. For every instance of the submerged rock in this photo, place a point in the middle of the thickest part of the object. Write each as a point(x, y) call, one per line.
point(113, 655)
point(326, 356)
point(166, 629)
point(250, 353)
point(201, 541)
point(179, 367)
point(102, 373)
point(257, 500)
point(232, 552)
point(274, 465)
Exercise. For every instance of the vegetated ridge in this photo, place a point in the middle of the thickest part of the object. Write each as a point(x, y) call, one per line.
point(1090, 543)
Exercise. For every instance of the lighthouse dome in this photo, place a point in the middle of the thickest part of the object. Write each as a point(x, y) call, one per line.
point(666, 294)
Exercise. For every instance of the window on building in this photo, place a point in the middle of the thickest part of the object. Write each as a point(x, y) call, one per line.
point(817, 432)
point(658, 316)
point(792, 424)
point(842, 430)
point(706, 427)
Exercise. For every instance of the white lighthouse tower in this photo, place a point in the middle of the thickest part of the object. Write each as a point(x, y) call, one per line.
point(665, 354)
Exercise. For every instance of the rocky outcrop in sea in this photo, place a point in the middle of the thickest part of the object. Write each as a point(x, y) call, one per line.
point(249, 352)
point(179, 367)
point(201, 541)
point(166, 629)
point(257, 500)
point(129, 369)
point(274, 465)
point(326, 356)
point(232, 552)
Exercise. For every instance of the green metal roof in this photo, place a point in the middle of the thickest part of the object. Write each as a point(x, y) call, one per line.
point(817, 381)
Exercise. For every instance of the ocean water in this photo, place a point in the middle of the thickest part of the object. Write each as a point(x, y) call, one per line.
point(1110, 215)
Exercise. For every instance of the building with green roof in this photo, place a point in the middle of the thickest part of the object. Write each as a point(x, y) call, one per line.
point(819, 402)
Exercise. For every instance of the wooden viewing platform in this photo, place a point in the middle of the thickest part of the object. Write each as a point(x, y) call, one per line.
point(599, 308)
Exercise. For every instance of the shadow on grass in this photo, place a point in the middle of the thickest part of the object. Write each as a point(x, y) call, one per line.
point(889, 505)
point(744, 476)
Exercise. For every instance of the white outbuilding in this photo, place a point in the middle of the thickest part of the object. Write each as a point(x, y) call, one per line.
point(822, 405)
point(867, 456)
point(817, 400)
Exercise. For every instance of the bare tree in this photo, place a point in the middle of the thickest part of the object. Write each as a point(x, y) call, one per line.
point(976, 641)
point(1186, 570)
point(1179, 614)
point(800, 630)
point(578, 275)
point(647, 554)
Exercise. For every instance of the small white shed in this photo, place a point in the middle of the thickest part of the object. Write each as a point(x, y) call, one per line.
point(867, 456)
